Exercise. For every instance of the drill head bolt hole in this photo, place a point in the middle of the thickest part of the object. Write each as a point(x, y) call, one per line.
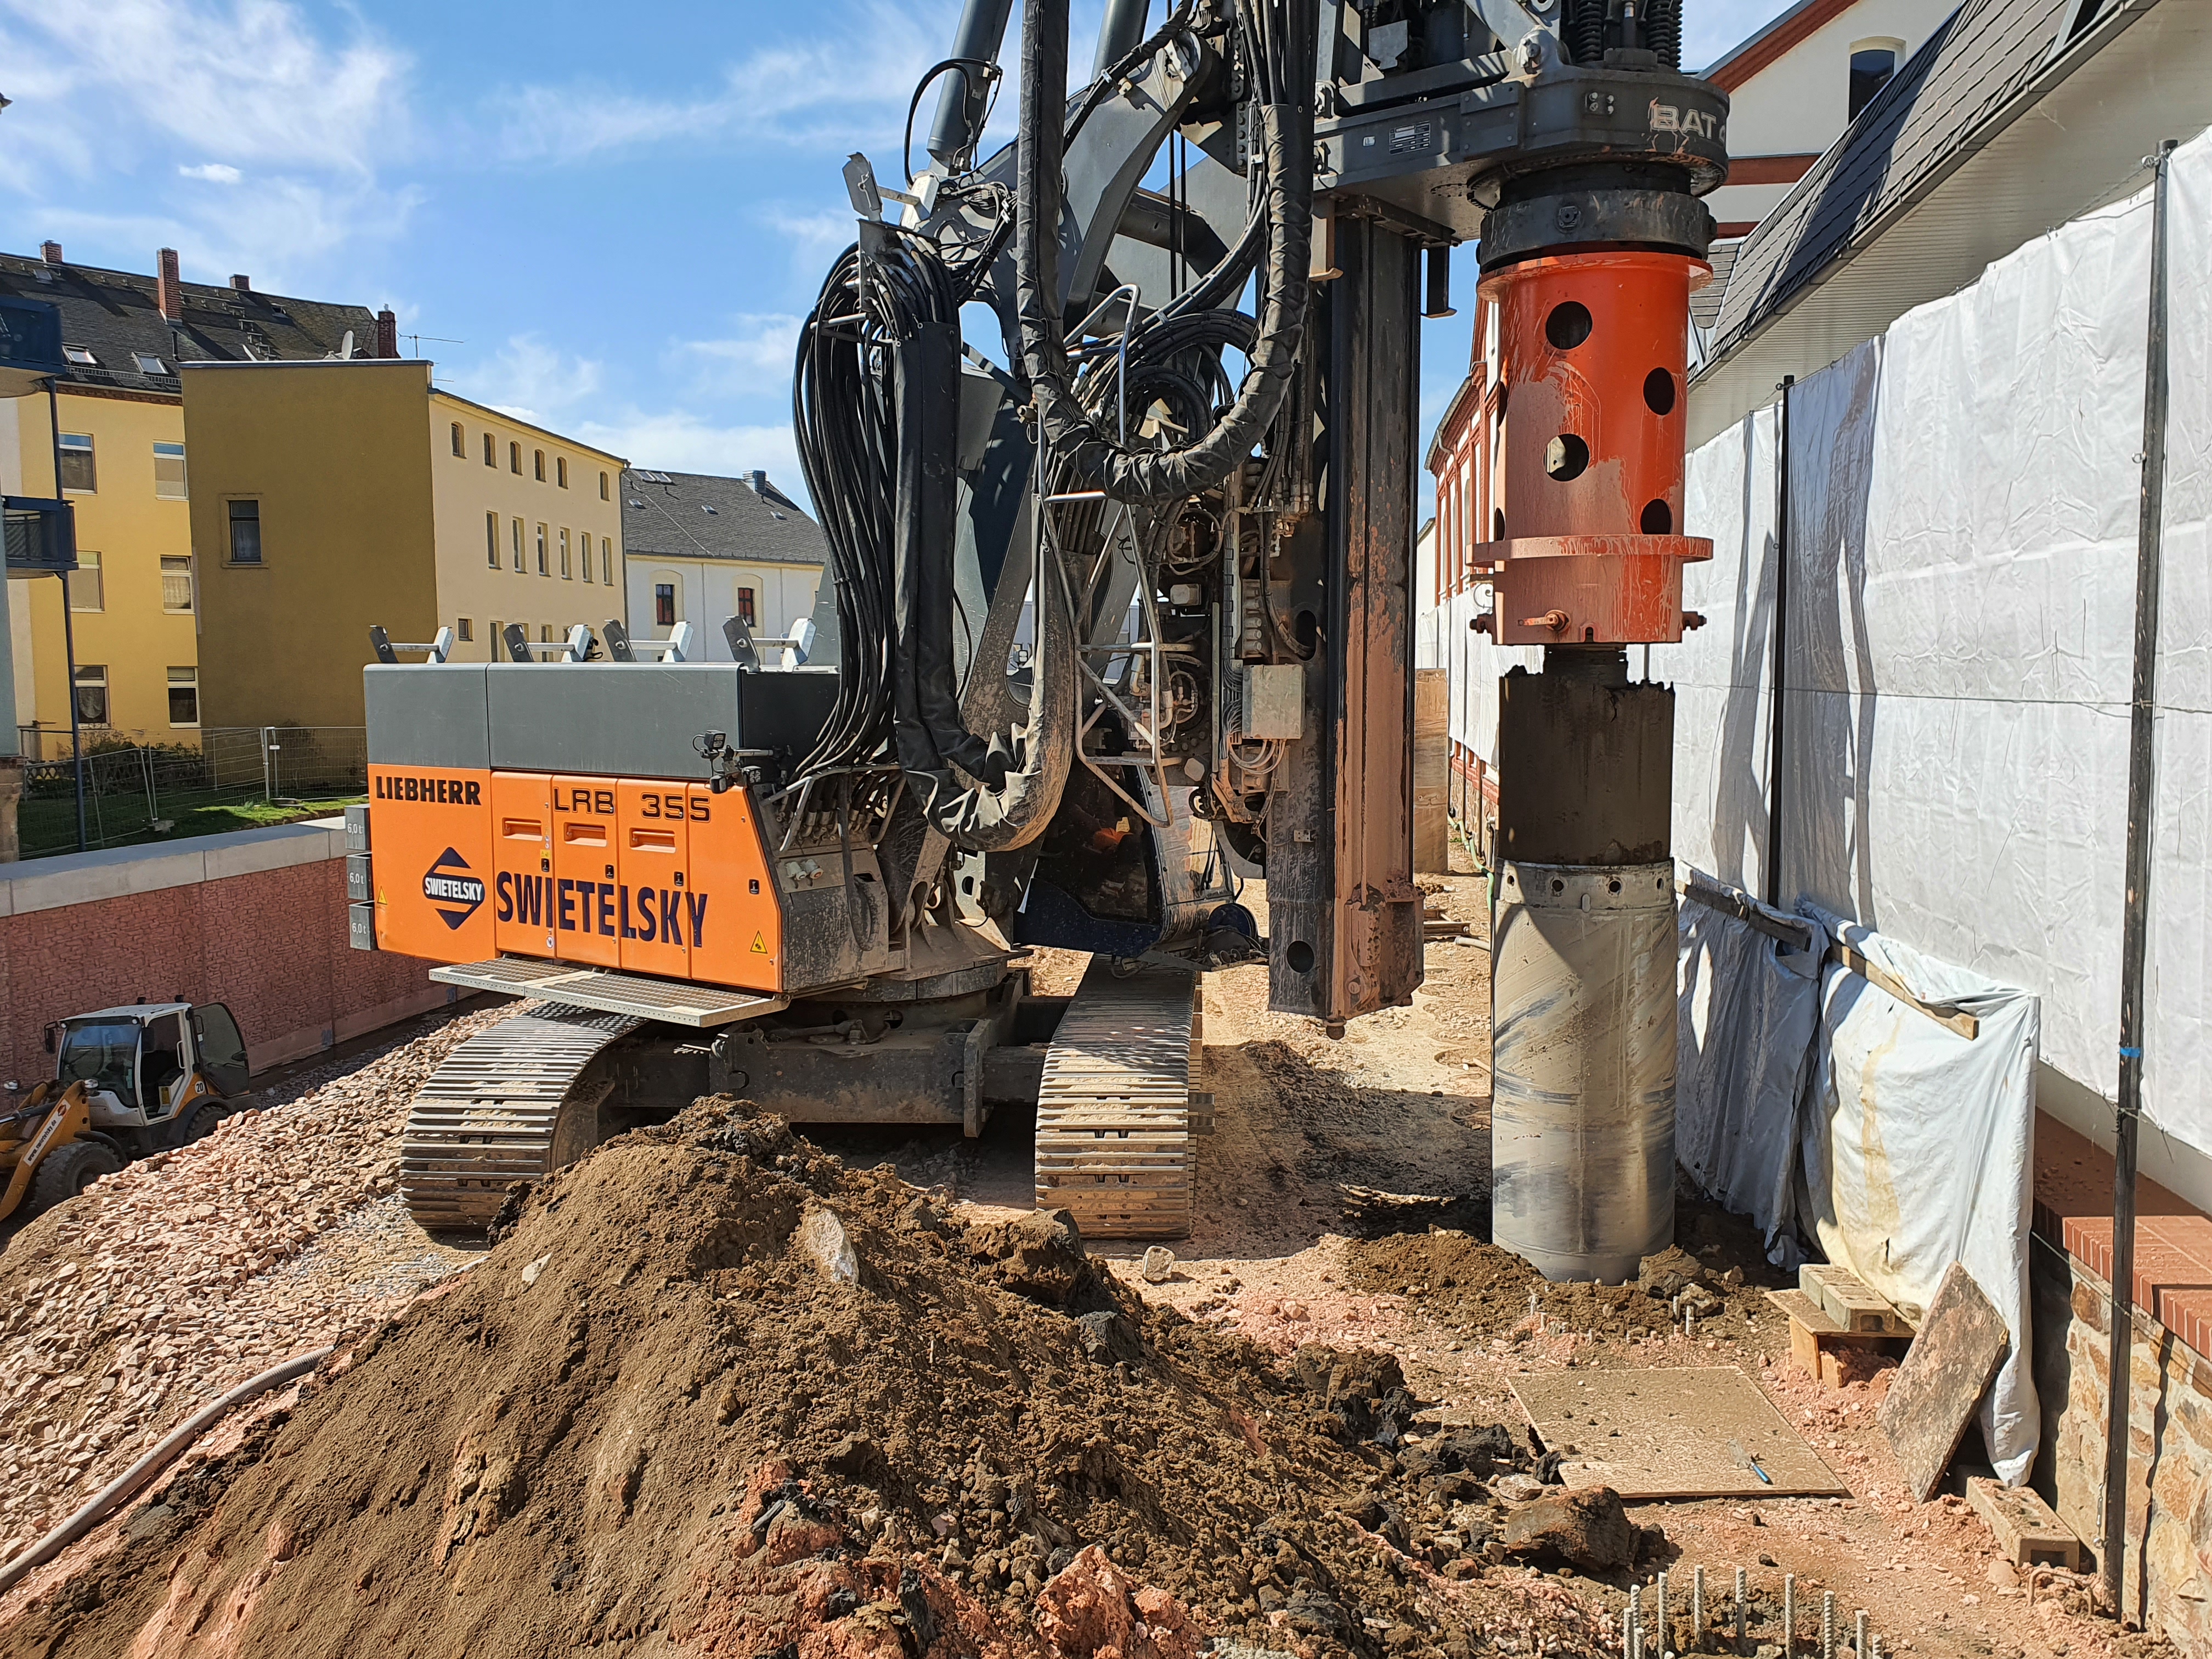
point(1566, 457)
point(1659, 392)
point(1658, 518)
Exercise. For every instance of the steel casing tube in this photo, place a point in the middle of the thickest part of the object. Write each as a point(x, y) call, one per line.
point(1582, 1057)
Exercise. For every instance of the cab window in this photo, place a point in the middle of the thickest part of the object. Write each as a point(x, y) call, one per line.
point(100, 1053)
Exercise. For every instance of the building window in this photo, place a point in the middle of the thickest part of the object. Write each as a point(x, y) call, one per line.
point(606, 562)
point(80, 355)
point(663, 603)
point(545, 633)
point(86, 590)
point(514, 459)
point(148, 363)
point(603, 486)
point(561, 471)
point(460, 447)
point(565, 576)
point(491, 539)
point(491, 454)
point(544, 568)
point(516, 536)
point(169, 473)
point(497, 640)
point(537, 464)
point(464, 627)
point(184, 697)
point(1872, 66)
point(177, 583)
point(77, 473)
point(245, 532)
point(745, 612)
point(91, 694)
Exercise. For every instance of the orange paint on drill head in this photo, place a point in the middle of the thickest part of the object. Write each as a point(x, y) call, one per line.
point(1594, 360)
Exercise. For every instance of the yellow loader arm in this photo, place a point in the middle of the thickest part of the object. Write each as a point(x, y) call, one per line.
point(69, 1117)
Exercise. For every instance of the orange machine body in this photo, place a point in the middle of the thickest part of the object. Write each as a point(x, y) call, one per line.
point(1586, 504)
point(650, 875)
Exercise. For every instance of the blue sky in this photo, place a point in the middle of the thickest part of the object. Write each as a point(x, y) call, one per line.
point(612, 220)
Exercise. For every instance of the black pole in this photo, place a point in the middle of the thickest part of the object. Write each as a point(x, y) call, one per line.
point(68, 629)
point(1781, 648)
point(2143, 760)
point(960, 103)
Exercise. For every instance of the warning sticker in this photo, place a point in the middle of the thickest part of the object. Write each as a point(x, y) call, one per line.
point(760, 944)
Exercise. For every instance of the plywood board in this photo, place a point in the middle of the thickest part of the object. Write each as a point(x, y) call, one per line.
point(1672, 1434)
point(1950, 1366)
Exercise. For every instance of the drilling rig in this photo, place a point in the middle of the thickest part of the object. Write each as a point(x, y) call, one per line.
point(1112, 434)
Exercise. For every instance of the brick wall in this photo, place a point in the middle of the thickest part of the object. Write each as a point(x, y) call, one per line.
point(201, 923)
point(2168, 1582)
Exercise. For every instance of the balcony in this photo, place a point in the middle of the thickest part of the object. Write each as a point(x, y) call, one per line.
point(30, 346)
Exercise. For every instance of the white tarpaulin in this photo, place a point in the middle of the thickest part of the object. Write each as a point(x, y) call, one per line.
point(1919, 1150)
point(1961, 586)
point(1747, 1010)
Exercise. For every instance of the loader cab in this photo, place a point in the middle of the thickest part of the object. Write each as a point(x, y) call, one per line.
point(144, 1064)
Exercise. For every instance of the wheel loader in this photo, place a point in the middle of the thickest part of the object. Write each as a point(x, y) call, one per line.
point(127, 1082)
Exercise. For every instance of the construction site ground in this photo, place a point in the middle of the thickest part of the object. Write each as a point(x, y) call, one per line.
point(1339, 1202)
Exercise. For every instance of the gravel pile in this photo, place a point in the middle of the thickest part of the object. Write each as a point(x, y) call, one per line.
point(124, 1311)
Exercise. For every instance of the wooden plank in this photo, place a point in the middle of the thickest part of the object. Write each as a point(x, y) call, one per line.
point(2028, 1534)
point(1685, 1433)
point(1845, 1298)
point(1952, 1362)
point(1882, 980)
point(1798, 935)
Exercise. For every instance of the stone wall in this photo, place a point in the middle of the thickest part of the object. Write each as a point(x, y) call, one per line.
point(2168, 1581)
point(255, 919)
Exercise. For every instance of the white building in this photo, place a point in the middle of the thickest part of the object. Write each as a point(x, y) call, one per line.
point(1794, 87)
point(702, 549)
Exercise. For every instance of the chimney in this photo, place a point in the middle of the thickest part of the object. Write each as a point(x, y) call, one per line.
point(50, 253)
point(169, 286)
point(242, 283)
point(387, 333)
point(760, 483)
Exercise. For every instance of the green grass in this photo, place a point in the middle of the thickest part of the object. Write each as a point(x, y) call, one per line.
point(48, 825)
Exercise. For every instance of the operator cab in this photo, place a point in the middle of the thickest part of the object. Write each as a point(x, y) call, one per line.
point(144, 1064)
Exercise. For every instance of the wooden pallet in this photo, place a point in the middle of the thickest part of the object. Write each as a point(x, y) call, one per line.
point(1815, 1338)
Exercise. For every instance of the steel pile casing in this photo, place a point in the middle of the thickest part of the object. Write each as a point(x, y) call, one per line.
point(1583, 1055)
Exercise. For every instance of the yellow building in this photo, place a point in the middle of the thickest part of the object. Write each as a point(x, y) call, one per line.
point(123, 462)
point(328, 497)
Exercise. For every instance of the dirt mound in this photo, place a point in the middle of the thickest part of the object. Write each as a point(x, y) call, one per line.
point(713, 1393)
point(1476, 1287)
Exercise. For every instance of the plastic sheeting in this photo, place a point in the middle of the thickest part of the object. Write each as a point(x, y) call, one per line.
point(1919, 1150)
point(1748, 1010)
point(1962, 552)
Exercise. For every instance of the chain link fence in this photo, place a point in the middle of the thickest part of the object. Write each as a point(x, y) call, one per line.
point(143, 792)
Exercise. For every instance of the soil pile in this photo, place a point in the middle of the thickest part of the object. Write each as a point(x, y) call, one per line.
point(713, 1393)
point(126, 1310)
point(1468, 1285)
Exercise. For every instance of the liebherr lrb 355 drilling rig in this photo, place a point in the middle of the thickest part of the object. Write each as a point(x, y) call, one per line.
point(1122, 609)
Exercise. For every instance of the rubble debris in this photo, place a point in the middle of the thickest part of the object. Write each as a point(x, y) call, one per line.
point(1159, 1265)
point(126, 1310)
point(700, 1433)
point(1588, 1529)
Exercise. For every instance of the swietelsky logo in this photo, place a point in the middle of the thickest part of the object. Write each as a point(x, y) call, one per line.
point(452, 891)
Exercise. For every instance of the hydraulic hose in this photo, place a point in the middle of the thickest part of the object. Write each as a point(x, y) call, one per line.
point(1067, 431)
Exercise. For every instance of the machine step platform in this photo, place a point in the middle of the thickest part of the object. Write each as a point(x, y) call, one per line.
point(679, 1002)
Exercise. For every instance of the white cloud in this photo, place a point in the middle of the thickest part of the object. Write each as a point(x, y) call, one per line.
point(837, 87)
point(533, 382)
point(237, 86)
point(754, 361)
point(681, 441)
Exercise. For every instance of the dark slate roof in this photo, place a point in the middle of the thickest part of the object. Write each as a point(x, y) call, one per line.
point(1705, 303)
point(698, 515)
point(113, 313)
point(1936, 110)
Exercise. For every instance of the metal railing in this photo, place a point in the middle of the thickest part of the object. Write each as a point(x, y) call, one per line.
point(140, 792)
